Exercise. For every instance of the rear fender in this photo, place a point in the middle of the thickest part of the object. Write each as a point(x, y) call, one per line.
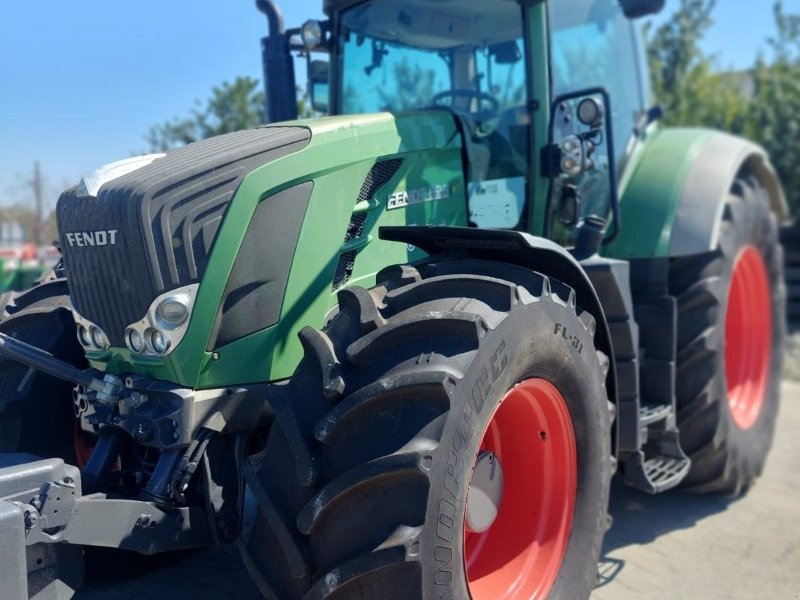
point(677, 188)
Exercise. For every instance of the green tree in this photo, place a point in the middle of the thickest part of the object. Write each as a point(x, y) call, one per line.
point(774, 119)
point(684, 83)
point(233, 106)
point(762, 103)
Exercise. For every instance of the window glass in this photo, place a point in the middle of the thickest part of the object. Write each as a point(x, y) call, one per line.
point(593, 45)
point(467, 57)
point(385, 76)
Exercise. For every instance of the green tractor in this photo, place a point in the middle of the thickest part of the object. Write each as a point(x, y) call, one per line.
point(423, 332)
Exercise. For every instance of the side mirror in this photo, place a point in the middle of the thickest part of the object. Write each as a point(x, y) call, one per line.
point(318, 85)
point(580, 162)
point(635, 9)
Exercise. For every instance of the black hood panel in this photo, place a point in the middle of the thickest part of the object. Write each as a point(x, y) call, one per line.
point(152, 230)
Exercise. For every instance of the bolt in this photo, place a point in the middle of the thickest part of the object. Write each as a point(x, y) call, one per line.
point(215, 356)
point(175, 423)
point(143, 521)
point(143, 432)
point(31, 518)
point(68, 480)
point(175, 436)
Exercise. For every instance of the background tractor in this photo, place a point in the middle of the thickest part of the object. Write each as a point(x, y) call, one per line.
point(424, 332)
point(20, 268)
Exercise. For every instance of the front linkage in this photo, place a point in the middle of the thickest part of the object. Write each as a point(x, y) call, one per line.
point(49, 509)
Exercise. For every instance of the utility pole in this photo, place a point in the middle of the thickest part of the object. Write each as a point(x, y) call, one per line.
point(36, 184)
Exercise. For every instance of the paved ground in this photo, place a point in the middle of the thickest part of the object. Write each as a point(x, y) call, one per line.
point(679, 546)
point(669, 547)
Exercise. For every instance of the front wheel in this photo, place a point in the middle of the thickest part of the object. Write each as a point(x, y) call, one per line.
point(447, 439)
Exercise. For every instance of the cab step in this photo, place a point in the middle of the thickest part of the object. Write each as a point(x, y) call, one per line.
point(658, 466)
point(651, 414)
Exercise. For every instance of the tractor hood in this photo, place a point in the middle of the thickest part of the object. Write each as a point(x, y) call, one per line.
point(244, 238)
point(151, 231)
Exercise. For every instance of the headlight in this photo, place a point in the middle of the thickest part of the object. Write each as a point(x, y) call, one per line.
point(164, 325)
point(173, 311)
point(158, 341)
point(83, 336)
point(311, 34)
point(99, 338)
point(135, 340)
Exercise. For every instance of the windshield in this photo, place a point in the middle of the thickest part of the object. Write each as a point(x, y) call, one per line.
point(467, 56)
point(414, 54)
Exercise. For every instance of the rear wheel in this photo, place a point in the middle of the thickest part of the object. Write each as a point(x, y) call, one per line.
point(446, 436)
point(731, 324)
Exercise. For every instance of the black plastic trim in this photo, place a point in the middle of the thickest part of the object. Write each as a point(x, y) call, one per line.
point(257, 282)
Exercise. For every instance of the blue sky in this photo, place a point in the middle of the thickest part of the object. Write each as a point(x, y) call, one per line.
point(81, 82)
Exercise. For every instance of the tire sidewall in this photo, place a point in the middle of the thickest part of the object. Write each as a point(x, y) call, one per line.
point(755, 227)
point(526, 344)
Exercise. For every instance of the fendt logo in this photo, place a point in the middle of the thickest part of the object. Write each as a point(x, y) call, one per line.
point(104, 237)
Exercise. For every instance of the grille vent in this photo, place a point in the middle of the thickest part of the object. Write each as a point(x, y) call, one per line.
point(379, 175)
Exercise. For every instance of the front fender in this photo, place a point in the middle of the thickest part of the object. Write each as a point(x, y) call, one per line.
point(673, 197)
point(523, 249)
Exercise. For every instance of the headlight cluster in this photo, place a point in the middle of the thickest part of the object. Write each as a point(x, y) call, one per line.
point(165, 324)
point(161, 329)
point(92, 337)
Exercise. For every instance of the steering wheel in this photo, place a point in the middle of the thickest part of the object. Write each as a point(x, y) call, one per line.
point(489, 113)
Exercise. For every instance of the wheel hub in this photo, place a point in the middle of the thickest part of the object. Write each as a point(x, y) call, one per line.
point(485, 493)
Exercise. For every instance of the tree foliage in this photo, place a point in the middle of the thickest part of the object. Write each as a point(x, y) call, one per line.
point(232, 106)
point(761, 103)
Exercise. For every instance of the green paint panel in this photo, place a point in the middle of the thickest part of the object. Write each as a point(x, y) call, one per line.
point(539, 77)
point(341, 153)
point(651, 190)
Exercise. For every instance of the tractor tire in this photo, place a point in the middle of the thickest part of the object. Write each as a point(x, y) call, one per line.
point(362, 484)
point(731, 328)
point(36, 414)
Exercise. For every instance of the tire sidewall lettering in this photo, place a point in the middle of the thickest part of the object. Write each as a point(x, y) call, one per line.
point(492, 375)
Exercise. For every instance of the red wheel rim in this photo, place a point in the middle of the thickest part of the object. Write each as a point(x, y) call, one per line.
point(520, 555)
point(748, 337)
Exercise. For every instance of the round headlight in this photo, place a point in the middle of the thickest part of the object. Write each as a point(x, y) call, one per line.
point(158, 341)
point(83, 336)
point(99, 338)
point(590, 112)
point(135, 340)
point(173, 311)
point(311, 34)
